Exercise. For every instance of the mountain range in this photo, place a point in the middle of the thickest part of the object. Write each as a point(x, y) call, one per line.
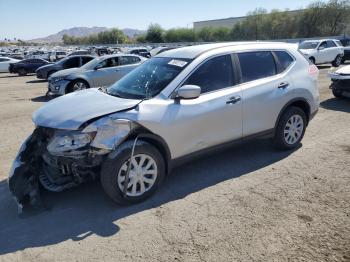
point(82, 31)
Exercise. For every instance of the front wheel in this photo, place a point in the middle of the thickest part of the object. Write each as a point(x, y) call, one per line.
point(77, 85)
point(290, 129)
point(337, 61)
point(147, 171)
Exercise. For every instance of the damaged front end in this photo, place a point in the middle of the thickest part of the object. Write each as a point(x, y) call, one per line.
point(61, 159)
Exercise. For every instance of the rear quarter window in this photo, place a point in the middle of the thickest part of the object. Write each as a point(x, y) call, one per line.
point(284, 59)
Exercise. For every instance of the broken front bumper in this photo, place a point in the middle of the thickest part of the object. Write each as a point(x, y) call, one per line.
point(34, 164)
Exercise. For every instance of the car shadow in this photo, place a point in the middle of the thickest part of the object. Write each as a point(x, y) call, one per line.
point(323, 66)
point(43, 98)
point(10, 76)
point(337, 104)
point(84, 211)
point(36, 81)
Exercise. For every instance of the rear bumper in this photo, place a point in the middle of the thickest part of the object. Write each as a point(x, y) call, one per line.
point(335, 76)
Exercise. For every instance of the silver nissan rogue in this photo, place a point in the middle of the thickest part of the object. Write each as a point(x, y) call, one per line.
point(178, 103)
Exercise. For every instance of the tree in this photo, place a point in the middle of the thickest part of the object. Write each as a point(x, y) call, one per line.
point(155, 34)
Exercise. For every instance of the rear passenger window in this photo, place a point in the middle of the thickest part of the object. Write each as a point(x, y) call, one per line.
point(284, 59)
point(215, 74)
point(331, 44)
point(256, 65)
point(128, 60)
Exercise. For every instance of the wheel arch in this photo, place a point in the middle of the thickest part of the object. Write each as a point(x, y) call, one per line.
point(70, 85)
point(157, 141)
point(299, 102)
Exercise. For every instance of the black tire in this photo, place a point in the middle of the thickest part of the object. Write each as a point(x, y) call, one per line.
point(312, 60)
point(279, 138)
point(337, 93)
point(337, 61)
point(70, 88)
point(114, 162)
point(22, 72)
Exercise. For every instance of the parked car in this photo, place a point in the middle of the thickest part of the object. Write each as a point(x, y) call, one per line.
point(341, 82)
point(57, 55)
point(26, 66)
point(5, 63)
point(37, 54)
point(176, 105)
point(101, 51)
point(323, 51)
point(161, 49)
point(346, 43)
point(69, 62)
point(140, 51)
point(80, 52)
point(100, 72)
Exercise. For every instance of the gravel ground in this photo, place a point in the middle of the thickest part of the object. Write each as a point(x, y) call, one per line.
point(248, 203)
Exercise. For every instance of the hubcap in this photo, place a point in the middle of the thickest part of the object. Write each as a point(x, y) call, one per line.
point(79, 86)
point(293, 129)
point(142, 176)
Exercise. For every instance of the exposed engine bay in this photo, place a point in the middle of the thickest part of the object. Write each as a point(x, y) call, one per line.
point(61, 159)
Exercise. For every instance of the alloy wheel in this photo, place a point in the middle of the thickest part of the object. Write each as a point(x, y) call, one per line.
point(79, 86)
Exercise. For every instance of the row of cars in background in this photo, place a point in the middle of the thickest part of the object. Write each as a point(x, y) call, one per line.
point(102, 66)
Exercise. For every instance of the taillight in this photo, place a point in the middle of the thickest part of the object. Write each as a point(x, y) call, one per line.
point(313, 70)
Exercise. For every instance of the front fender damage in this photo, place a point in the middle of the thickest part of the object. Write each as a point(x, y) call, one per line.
point(35, 164)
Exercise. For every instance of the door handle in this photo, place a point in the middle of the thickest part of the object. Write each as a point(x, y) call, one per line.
point(283, 85)
point(233, 100)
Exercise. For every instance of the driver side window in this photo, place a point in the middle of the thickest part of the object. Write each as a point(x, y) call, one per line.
point(110, 62)
point(214, 74)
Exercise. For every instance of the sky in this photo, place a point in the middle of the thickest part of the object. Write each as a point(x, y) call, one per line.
point(28, 19)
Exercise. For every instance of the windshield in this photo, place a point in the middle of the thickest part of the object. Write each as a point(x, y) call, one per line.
point(308, 45)
point(149, 79)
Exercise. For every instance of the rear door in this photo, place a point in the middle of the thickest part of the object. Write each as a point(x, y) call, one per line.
point(72, 63)
point(333, 50)
point(125, 65)
point(106, 74)
point(266, 88)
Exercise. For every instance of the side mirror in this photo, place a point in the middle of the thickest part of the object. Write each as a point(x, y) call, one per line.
point(321, 47)
point(188, 92)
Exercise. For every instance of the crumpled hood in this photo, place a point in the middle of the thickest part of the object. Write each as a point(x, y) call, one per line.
point(67, 72)
point(71, 111)
point(344, 70)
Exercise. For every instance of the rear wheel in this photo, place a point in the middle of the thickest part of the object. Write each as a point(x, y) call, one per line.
point(337, 61)
point(147, 171)
point(22, 72)
point(290, 128)
point(312, 60)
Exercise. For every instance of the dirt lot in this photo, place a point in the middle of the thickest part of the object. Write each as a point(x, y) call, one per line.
point(249, 203)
